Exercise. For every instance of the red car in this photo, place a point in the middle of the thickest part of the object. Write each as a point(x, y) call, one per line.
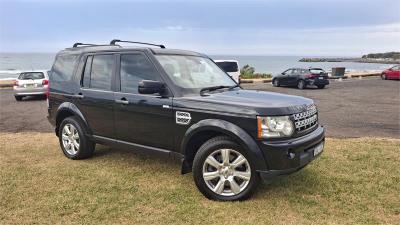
point(391, 73)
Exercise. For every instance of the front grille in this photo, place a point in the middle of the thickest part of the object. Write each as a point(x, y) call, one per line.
point(306, 119)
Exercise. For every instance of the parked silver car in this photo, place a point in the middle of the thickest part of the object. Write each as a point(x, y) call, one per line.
point(32, 83)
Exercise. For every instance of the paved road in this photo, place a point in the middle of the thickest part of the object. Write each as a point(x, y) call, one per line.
point(352, 108)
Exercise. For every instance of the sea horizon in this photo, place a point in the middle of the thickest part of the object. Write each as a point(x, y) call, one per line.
point(13, 63)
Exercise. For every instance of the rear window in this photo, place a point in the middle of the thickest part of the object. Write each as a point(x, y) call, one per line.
point(228, 66)
point(31, 76)
point(63, 68)
point(317, 71)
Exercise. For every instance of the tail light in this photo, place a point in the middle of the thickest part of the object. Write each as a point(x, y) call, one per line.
point(15, 83)
point(46, 82)
point(312, 76)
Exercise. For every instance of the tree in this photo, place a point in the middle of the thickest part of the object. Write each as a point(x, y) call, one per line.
point(247, 70)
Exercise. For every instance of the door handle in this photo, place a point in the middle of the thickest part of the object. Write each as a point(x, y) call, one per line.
point(79, 95)
point(122, 101)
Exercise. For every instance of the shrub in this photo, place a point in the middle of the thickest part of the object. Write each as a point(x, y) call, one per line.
point(248, 72)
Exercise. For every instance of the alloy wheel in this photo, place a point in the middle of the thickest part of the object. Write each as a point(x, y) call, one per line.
point(226, 172)
point(70, 139)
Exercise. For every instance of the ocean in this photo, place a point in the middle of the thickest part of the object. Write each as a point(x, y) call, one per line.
point(11, 64)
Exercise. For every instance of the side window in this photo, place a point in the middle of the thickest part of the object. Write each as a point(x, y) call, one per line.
point(288, 72)
point(135, 68)
point(86, 72)
point(63, 68)
point(101, 72)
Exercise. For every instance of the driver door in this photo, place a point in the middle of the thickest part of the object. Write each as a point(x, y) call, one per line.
point(144, 119)
point(284, 78)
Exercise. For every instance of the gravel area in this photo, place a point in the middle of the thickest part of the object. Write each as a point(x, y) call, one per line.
point(349, 108)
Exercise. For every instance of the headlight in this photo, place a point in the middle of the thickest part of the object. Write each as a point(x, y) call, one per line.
point(274, 126)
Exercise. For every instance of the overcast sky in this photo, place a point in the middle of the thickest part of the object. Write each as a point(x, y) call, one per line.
point(274, 27)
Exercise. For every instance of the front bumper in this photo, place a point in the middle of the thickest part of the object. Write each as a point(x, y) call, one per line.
point(288, 156)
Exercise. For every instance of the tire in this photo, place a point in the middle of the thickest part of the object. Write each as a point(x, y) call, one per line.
point(383, 76)
point(18, 98)
point(247, 182)
point(301, 84)
point(81, 147)
point(275, 83)
point(321, 86)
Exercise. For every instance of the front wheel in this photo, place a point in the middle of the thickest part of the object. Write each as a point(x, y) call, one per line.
point(301, 84)
point(74, 143)
point(275, 82)
point(383, 76)
point(223, 171)
point(18, 98)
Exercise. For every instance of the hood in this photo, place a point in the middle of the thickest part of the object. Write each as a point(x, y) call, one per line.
point(251, 102)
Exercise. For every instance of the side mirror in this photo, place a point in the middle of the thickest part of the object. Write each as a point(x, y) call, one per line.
point(150, 87)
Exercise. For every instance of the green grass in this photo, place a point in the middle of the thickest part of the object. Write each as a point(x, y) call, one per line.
point(355, 181)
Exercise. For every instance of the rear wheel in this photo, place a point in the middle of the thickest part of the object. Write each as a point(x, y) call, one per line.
point(383, 76)
point(18, 98)
point(74, 143)
point(275, 82)
point(321, 86)
point(223, 171)
point(301, 84)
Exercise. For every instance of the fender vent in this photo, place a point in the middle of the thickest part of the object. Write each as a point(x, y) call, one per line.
point(183, 118)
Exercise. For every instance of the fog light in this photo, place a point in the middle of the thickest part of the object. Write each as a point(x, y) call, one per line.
point(291, 154)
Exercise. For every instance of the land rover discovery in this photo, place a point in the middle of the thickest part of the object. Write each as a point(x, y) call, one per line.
point(181, 105)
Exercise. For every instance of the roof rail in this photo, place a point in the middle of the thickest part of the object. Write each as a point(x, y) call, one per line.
point(78, 44)
point(135, 42)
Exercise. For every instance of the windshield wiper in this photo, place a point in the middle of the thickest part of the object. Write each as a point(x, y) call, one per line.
point(213, 88)
point(234, 86)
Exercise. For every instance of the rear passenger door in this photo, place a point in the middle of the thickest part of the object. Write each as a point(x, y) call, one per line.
point(141, 119)
point(97, 96)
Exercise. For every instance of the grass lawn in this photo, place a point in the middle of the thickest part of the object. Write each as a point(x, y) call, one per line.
point(355, 181)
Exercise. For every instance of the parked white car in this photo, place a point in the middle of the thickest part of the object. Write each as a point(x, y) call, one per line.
point(31, 83)
point(231, 67)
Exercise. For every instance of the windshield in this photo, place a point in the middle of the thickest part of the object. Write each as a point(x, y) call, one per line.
point(193, 72)
point(317, 71)
point(228, 66)
point(31, 76)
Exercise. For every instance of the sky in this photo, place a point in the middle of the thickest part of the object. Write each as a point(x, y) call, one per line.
point(218, 27)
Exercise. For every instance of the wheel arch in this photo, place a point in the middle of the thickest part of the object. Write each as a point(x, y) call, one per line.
point(68, 109)
point(202, 131)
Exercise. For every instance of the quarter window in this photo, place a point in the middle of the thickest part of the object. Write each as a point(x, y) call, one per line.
point(63, 68)
point(135, 68)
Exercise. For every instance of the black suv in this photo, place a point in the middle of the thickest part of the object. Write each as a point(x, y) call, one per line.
point(181, 105)
point(301, 78)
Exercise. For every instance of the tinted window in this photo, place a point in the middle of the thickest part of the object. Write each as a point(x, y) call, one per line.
point(135, 68)
point(101, 72)
point(63, 68)
point(228, 66)
point(86, 73)
point(31, 76)
point(287, 72)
